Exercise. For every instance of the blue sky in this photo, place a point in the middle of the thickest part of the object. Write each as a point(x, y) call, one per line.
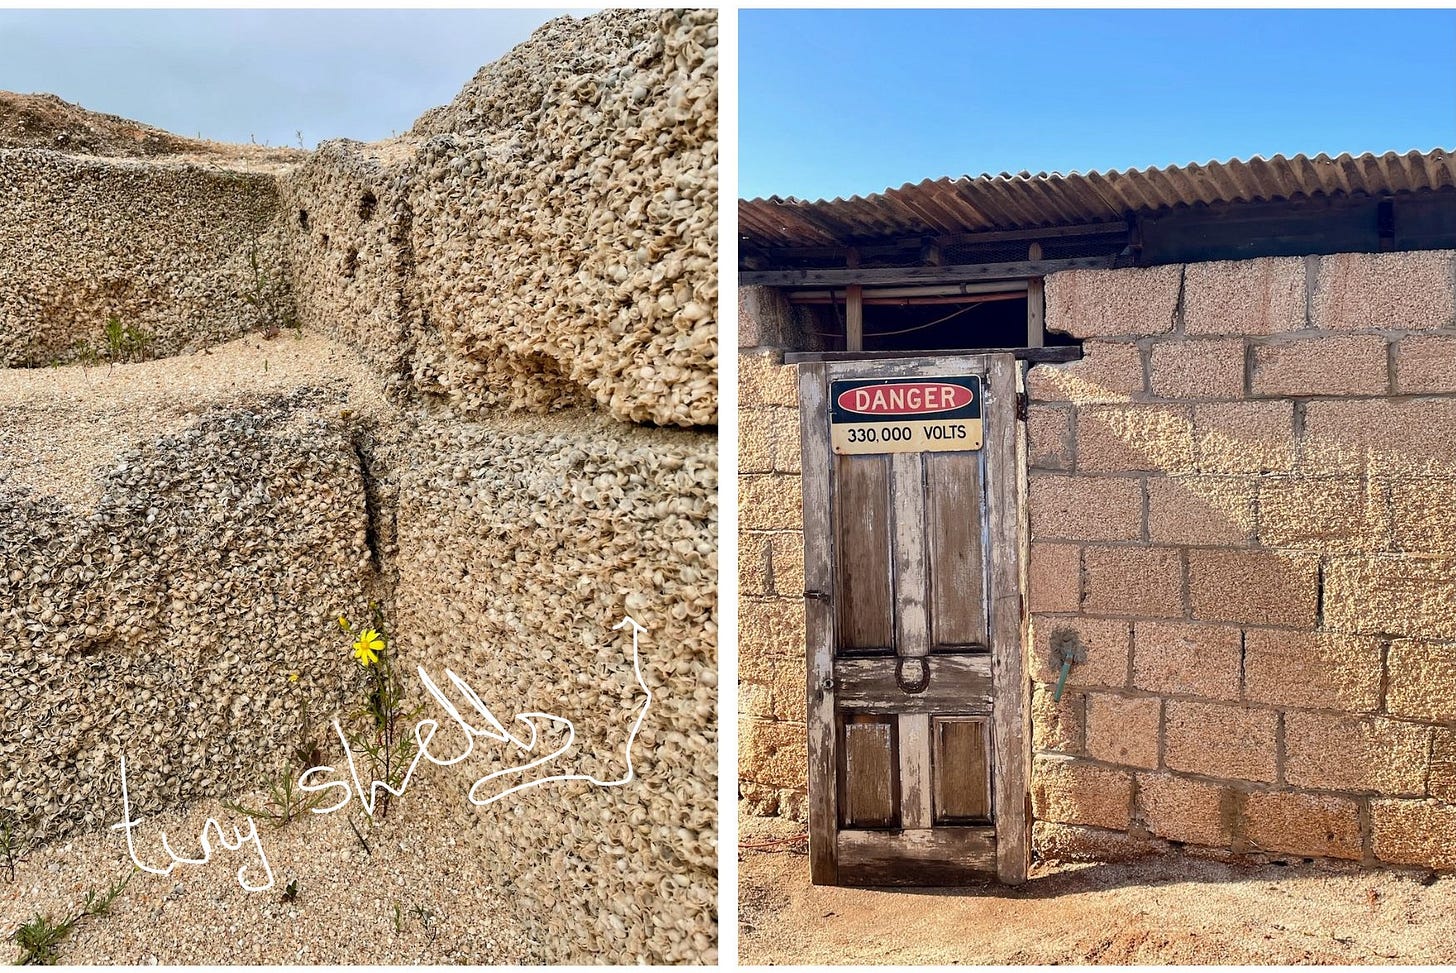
point(237, 75)
point(849, 102)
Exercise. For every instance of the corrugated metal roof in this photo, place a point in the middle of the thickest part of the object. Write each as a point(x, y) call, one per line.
point(1027, 201)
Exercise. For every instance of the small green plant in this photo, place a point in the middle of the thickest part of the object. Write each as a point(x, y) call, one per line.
point(99, 903)
point(260, 296)
point(425, 917)
point(16, 843)
point(40, 938)
point(376, 729)
point(285, 801)
point(290, 893)
point(125, 342)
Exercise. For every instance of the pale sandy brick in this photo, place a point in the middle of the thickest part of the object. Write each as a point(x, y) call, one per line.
point(1422, 682)
point(1343, 365)
point(1106, 640)
point(1323, 514)
point(788, 451)
point(770, 802)
point(1423, 514)
point(1252, 587)
point(1394, 594)
point(1117, 439)
point(788, 693)
point(1180, 809)
point(1312, 670)
point(781, 426)
point(1054, 577)
point(1360, 291)
point(1130, 301)
point(1075, 843)
point(786, 561)
point(1311, 825)
point(1395, 436)
point(1210, 368)
point(1181, 659)
point(1425, 363)
point(1220, 741)
point(765, 318)
point(772, 688)
point(774, 753)
point(753, 576)
point(1057, 725)
point(1327, 751)
point(1085, 508)
point(1123, 729)
point(1108, 371)
point(1254, 297)
point(770, 502)
point(1413, 833)
point(755, 700)
point(1200, 509)
point(1442, 782)
point(1133, 581)
point(763, 379)
point(771, 626)
point(755, 441)
point(1049, 438)
point(1072, 791)
point(1244, 437)
point(767, 667)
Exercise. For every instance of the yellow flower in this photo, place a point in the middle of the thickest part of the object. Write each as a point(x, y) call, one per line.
point(343, 623)
point(368, 647)
point(293, 677)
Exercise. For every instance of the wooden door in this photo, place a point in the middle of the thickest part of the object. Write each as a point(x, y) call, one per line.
point(918, 740)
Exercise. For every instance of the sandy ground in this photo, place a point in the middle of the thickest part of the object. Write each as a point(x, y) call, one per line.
point(1169, 909)
point(421, 860)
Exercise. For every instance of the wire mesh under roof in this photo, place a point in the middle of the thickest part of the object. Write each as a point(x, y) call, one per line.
point(1027, 201)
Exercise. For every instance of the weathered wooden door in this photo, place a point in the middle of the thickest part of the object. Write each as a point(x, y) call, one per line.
point(918, 746)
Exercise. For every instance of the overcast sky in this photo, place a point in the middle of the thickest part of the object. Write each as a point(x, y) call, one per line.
point(238, 75)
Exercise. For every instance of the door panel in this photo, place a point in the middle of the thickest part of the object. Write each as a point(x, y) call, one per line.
point(955, 530)
point(863, 520)
point(917, 709)
point(962, 769)
point(868, 783)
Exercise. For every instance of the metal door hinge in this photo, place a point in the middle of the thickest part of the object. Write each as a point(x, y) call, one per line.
point(817, 595)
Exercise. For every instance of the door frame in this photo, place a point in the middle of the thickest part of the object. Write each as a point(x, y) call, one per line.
point(1004, 489)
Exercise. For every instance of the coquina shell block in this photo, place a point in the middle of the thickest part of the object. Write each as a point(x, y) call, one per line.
point(188, 255)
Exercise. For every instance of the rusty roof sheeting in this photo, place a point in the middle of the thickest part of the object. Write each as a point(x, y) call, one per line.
point(1027, 201)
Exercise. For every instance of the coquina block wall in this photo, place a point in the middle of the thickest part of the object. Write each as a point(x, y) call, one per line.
point(186, 254)
point(773, 733)
point(508, 442)
point(1240, 501)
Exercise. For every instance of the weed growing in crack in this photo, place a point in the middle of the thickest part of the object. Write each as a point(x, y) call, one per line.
point(16, 843)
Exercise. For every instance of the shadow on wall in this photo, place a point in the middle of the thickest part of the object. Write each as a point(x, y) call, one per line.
point(1241, 501)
